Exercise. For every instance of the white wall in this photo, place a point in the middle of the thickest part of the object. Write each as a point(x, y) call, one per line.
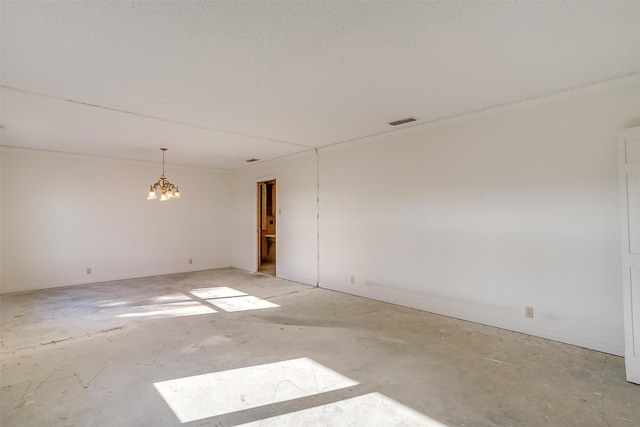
point(481, 218)
point(296, 225)
point(1, 179)
point(473, 219)
point(63, 213)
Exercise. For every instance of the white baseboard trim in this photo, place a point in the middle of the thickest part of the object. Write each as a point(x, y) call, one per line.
point(407, 299)
point(100, 278)
point(302, 280)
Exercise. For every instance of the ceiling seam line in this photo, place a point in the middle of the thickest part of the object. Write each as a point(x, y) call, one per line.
point(474, 114)
point(120, 159)
point(148, 116)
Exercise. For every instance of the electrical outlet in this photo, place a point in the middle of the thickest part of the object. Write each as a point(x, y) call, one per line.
point(88, 270)
point(190, 261)
point(353, 280)
point(528, 312)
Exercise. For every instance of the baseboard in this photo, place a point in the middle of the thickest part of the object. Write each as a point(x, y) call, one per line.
point(407, 299)
point(99, 278)
point(302, 280)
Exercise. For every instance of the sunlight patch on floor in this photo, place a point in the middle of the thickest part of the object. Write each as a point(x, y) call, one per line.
point(172, 309)
point(242, 303)
point(194, 302)
point(113, 304)
point(203, 396)
point(172, 297)
point(217, 292)
point(368, 410)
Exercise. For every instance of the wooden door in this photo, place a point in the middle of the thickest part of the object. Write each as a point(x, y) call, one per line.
point(629, 170)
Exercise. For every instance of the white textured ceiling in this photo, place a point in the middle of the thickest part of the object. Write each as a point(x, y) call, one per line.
point(221, 82)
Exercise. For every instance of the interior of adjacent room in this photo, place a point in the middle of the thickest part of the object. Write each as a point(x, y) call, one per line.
point(267, 227)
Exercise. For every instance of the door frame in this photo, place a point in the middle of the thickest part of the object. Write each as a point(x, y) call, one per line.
point(629, 175)
point(258, 218)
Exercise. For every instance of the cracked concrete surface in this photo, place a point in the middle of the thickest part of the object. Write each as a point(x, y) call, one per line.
point(89, 356)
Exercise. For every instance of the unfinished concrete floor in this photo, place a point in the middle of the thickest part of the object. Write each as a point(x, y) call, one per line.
point(193, 349)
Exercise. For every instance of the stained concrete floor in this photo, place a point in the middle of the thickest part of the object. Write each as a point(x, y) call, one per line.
point(171, 350)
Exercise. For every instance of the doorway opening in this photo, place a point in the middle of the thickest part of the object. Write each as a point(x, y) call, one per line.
point(267, 227)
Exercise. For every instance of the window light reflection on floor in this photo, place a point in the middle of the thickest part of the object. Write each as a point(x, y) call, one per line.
point(368, 410)
point(105, 304)
point(172, 309)
point(172, 297)
point(194, 302)
point(217, 292)
point(242, 303)
point(203, 396)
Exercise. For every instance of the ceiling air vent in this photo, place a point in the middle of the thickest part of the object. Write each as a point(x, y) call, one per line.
point(251, 160)
point(403, 121)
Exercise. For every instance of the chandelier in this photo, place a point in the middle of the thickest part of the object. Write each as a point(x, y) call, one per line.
point(168, 190)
